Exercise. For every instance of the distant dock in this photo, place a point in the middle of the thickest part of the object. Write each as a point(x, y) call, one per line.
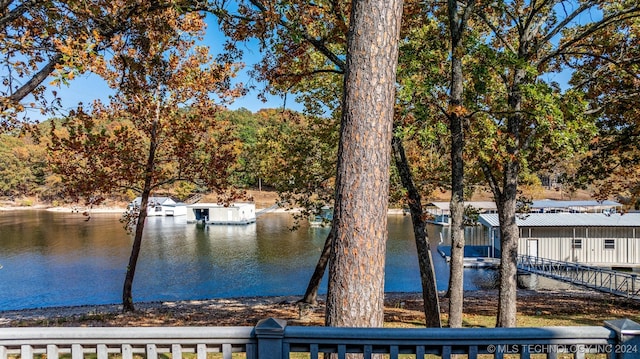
point(474, 256)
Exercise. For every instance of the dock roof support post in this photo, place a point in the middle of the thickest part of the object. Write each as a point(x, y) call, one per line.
point(627, 338)
point(270, 333)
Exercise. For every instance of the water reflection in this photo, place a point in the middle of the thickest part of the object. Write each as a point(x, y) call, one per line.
point(52, 259)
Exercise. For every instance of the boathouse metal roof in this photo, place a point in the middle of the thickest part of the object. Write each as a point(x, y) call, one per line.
point(581, 205)
point(567, 220)
point(482, 205)
point(154, 200)
point(203, 205)
point(548, 204)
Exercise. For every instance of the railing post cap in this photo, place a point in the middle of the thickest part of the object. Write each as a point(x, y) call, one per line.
point(623, 327)
point(270, 327)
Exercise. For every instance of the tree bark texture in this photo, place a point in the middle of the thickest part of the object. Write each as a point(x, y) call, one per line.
point(506, 198)
point(356, 269)
point(127, 289)
point(457, 25)
point(311, 294)
point(430, 297)
point(507, 305)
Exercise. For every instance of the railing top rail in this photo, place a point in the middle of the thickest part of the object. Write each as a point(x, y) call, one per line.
point(127, 334)
point(453, 334)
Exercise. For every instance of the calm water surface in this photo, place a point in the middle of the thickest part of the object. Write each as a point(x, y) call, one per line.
point(59, 259)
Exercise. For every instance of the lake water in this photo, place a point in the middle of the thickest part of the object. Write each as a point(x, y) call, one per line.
point(59, 259)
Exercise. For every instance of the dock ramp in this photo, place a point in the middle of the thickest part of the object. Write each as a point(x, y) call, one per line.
point(622, 284)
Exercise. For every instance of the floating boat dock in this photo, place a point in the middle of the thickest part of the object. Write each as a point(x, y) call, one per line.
point(474, 256)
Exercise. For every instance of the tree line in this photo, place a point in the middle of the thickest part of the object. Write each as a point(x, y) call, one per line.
point(454, 94)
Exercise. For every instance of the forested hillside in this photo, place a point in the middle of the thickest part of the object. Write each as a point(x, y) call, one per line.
point(277, 149)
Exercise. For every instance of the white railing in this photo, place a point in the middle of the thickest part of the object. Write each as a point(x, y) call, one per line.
point(273, 339)
point(125, 341)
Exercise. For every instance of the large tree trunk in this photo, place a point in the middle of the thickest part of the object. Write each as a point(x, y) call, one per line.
point(430, 297)
point(507, 301)
point(356, 269)
point(506, 199)
point(456, 264)
point(431, 302)
point(427, 273)
point(457, 26)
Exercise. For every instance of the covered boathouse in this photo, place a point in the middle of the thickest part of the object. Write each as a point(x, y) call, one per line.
point(596, 239)
point(239, 213)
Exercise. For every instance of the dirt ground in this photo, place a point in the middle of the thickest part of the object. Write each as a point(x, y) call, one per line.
point(402, 310)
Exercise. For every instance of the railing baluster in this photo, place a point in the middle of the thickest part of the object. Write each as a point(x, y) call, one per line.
point(102, 351)
point(367, 351)
point(152, 351)
point(127, 351)
point(52, 351)
point(176, 351)
point(473, 352)
point(26, 352)
point(77, 351)
point(420, 352)
point(342, 351)
point(524, 349)
point(3, 352)
point(393, 352)
point(226, 351)
point(446, 352)
point(313, 351)
point(201, 351)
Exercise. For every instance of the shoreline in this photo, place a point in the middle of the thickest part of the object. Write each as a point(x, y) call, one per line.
point(401, 308)
point(391, 211)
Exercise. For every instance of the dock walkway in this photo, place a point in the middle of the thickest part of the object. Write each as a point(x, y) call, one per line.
point(604, 280)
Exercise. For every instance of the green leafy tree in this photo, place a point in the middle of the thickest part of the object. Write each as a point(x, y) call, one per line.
point(17, 175)
point(245, 126)
point(606, 70)
point(23, 167)
point(525, 120)
point(296, 156)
